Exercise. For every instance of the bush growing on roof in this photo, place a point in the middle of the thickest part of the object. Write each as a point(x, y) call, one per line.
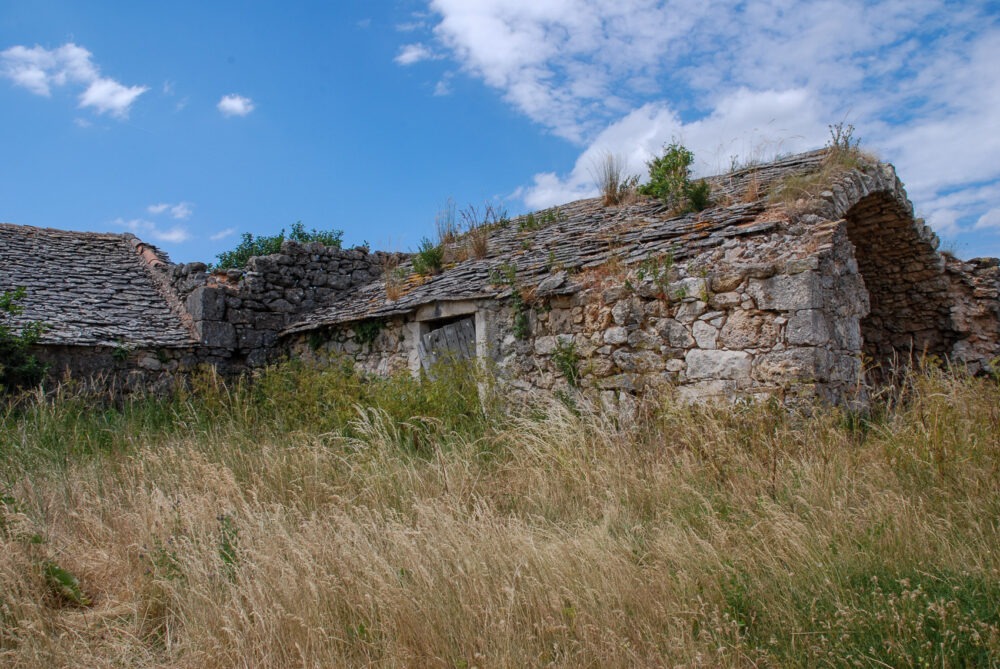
point(263, 245)
point(670, 180)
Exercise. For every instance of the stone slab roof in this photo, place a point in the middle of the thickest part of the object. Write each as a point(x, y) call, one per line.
point(90, 288)
point(576, 237)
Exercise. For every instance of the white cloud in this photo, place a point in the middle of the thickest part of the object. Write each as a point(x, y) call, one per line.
point(107, 95)
point(990, 219)
point(223, 234)
point(179, 211)
point(39, 70)
point(149, 230)
point(235, 105)
point(182, 210)
point(743, 125)
point(917, 77)
point(414, 53)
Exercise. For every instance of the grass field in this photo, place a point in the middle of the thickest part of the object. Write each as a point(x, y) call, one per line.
point(315, 519)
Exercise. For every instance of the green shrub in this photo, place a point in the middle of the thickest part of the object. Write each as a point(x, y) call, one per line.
point(429, 258)
point(263, 245)
point(567, 361)
point(19, 369)
point(670, 180)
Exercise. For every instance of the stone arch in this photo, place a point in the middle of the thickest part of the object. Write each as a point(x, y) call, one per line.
point(910, 307)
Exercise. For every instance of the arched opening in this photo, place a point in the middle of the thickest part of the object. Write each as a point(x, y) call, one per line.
point(910, 313)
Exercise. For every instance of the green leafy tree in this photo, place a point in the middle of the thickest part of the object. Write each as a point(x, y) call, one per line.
point(264, 245)
point(19, 369)
point(670, 180)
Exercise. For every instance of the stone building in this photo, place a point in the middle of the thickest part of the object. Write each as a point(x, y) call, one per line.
point(802, 279)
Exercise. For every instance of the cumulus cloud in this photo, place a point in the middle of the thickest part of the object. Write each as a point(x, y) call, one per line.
point(107, 95)
point(917, 79)
point(743, 126)
point(150, 230)
point(235, 105)
point(39, 70)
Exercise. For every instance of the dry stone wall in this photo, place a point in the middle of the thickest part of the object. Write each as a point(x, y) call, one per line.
point(747, 299)
point(239, 313)
point(715, 327)
point(812, 299)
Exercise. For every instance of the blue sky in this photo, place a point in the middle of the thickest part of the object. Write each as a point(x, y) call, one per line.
point(191, 122)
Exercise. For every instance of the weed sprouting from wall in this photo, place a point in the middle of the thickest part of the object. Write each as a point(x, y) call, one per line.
point(506, 275)
point(567, 361)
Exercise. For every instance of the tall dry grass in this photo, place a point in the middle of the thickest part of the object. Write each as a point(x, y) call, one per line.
point(313, 519)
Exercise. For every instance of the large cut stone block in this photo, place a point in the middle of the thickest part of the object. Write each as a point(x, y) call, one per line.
point(785, 292)
point(702, 364)
point(795, 364)
point(807, 327)
point(206, 304)
point(216, 334)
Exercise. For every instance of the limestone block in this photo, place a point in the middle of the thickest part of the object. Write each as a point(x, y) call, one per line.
point(690, 310)
point(794, 364)
point(847, 333)
point(703, 364)
point(551, 283)
point(627, 312)
point(674, 365)
point(598, 367)
point(249, 339)
point(596, 317)
point(642, 361)
point(807, 328)
point(616, 335)
point(724, 283)
point(705, 335)
point(547, 345)
point(745, 329)
point(206, 304)
point(644, 339)
point(215, 333)
point(675, 334)
point(704, 390)
point(784, 292)
point(560, 320)
point(725, 300)
point(690, 287)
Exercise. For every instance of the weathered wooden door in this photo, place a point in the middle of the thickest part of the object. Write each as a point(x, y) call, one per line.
point(455, 341)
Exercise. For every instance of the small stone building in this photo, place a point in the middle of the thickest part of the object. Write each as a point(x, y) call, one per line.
point(802, 280)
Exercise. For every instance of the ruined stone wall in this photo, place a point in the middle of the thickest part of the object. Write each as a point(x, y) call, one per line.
point(115, 370)
point(779, 317)
point(239, 313)
point(373, 347)
point(788, 328)
point(974, 298)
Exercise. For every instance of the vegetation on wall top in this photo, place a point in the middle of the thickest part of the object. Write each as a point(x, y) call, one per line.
point(263, 245)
